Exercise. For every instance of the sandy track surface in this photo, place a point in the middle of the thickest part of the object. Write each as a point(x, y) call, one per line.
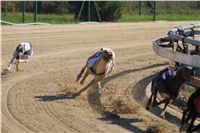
point(34, 100)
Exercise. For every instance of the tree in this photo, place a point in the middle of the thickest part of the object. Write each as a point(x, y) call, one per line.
point(108, 10)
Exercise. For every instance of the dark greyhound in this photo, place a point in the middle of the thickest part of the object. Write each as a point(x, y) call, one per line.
point(169, 88)
point(191, 112)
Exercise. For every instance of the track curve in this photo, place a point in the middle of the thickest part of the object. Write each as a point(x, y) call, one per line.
point(33, 99)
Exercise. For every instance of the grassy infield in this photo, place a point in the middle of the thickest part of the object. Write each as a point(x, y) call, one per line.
point(66, 19)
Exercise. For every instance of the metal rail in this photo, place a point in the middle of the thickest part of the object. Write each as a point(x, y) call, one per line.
point(180, 33)
point(167, 47)
point(187, 59)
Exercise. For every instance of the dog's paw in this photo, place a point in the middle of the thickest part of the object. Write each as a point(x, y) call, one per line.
point(7, 70)
point(162, 115)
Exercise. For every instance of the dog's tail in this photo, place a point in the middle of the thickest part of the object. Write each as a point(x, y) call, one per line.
point(81, 72)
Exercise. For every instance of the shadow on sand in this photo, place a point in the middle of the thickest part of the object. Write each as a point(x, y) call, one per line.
point(47, 98)
point(125, 72)
point(123, 122)
point(93, 96)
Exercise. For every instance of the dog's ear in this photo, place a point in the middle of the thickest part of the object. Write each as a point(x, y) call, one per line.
point(106, 52)
point(111, 55)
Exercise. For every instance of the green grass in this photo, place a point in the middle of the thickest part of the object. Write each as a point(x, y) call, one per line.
point(45, 18)
point(69, 18)
point(56, 19)
point(135, 18)
point(168, 17)
point(190, 89)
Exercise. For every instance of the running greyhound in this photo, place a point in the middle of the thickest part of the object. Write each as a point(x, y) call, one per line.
point(100, 65)
point(21, 54)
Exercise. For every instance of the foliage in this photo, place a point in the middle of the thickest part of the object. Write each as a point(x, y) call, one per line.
point(58, 7)
point(159, 17)
point(120, 11)
point(108, 10)
point(46, 18)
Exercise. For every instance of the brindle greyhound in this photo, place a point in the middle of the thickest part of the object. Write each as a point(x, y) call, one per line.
point(99, 69)
point(191, 113)
point(170, 89)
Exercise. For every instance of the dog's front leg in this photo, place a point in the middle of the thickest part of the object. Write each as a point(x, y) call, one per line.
point(98, 81)
point(17, 65)
point(84, 77)
point(99, 84)
point(85, 88)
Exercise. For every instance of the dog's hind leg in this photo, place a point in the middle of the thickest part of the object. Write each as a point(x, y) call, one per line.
point(149, 101)
point(155, 103)
point(168, 101)
point(153, 90)
point(192, 122)
point(185, 112)
point(84, 77)
point(183, 123)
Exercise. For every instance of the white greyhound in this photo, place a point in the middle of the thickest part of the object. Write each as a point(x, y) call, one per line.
point(21, 54)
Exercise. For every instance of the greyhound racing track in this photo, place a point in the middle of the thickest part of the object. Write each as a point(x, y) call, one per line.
point(34, 100)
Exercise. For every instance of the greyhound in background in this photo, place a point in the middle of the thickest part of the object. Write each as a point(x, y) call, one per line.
point(192, 112)
point(21, 54)
point(170, 89)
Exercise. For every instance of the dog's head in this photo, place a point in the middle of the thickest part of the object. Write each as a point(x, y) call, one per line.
point(20, 48)
point(107, 55)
